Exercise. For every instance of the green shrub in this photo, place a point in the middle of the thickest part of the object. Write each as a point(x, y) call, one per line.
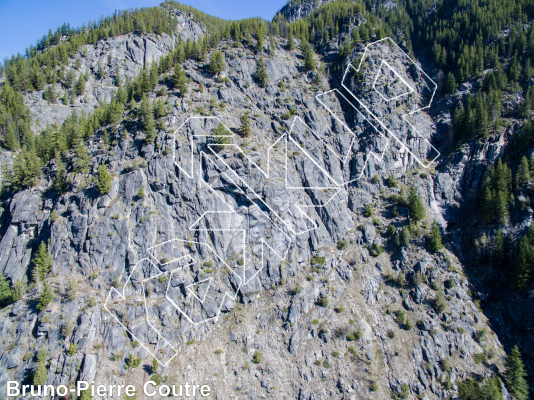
point(342, 244)
point(391, 182)
point(318, 260)
point(368, 211)
point(401, 279)
point(72, 349)
point(450, 283)
point(439, 302)
point(323, 301)
point(157, 379)
point(480, 358)
point(256, 358)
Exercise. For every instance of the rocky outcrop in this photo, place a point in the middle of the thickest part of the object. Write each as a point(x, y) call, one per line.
point(263, 244)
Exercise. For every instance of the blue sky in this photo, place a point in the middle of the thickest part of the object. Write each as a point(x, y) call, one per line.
point(22, 22)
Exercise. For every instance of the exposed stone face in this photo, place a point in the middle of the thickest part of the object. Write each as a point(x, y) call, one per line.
point(301, 10)
point(101, 241)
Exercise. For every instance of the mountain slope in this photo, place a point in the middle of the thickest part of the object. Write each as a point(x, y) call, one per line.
point(358, 306)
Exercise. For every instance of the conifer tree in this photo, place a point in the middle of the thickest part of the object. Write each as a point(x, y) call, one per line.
point(149, 123)
point(216, 62)
point(515, 374)
point(498, 248)
point(121, 95)
point(10, 140)
point(245, 129)
point(486, 206)
point(261, 72)
point(132, 361)
point(450, 84)
point(434, 241)
point(17, 291)
point(40, 375)
point(5, 291)
point(45, 297)
point(405, 236)
point(501, 207)
point(60, 183)
point(221, 135)
point(81, 163)
point(273, 45)
point(309, 60)
point(439, 302)
point(523, 265)
point(290, 42)
point(104, 179)
point(417, 208)
point(80, 85)
point(26, 168)
point(259, 40)
point(523, 173)
point(179, 80)
point(43, 260)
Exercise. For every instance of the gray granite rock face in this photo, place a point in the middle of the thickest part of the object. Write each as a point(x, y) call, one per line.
point(179, 254)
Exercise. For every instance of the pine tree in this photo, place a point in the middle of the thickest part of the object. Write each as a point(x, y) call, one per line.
point(220, 135)
point(179, 80)
point(273, 45)
point(498, 248)
point(40, 375)
point(5, 291)
point(216, 64)
point(245, 128)
point(487, 206)
point(132, 361)
point(45, 297)
point(26, 168)
point(501, 207)
point(261, 72)
point(290, 42)
point(434, 241)
point(417, 208)
point(81, 163)
point(80, 85)
point(122, 95)
point(515, 374)
point(523, 265)
point(259, 39)
point(147, 116)
point(450, 84)
point(10, 140)
point(405, 236)
point(60, 183)
point(439, 302)
point(309, 60)
point(523, 173)
point(43, 260)
point(17, 291)
point(104, 179)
